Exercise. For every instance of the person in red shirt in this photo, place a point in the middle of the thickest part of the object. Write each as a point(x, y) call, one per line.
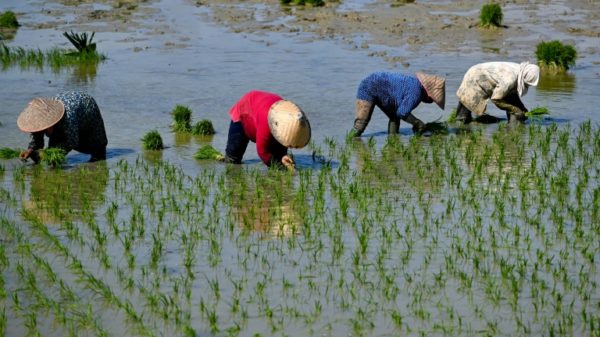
point(271, 122)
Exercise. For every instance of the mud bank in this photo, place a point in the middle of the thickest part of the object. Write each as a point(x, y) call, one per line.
point(421, 28)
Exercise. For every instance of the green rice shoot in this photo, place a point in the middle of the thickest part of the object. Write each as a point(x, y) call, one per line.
point(53, 157)
point(9, 153)
point(152, 141)
point(207, 152)
point(203, 128)
point(452, 116)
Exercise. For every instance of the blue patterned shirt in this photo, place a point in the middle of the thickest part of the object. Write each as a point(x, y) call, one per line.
point(81, 127)
point(395, 94)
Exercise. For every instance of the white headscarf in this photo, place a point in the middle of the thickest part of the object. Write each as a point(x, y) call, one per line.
point(529, 74)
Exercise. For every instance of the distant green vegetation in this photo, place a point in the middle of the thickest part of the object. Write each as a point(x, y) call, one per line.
point(203, 128)
point(182, 118)
point(398, 3)
point(152, 141)
point(8, 19)
point(490, 15)
point(555, 56)
point(55, 58)
point(315, 3)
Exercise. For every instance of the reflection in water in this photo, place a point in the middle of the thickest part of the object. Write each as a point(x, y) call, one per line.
point(557, 82)
point(267, 208)
point(84, 73)
point(58, 195)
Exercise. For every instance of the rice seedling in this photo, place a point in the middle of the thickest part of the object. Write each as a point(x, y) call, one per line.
point(182, 117)
point(203, 128)
point(452, 116)
point(9, 153)
point(53, 157)
point(490, 16)
point(152, 141)
point(555, 56)
point(8, 19)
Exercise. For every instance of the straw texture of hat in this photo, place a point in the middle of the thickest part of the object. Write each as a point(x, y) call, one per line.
point(435, 87)
point(288, 124)
point(40, 114)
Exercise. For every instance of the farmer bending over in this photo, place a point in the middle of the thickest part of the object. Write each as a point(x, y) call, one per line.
point(503, 82)
point(273, 123)
point(71, 120)
point(397, 96)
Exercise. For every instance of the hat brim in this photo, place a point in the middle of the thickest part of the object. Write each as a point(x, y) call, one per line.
point(40, 114)
point(289, 125)
point(434, 87)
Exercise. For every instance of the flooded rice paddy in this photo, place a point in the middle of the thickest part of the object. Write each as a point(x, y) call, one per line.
point(487, 231)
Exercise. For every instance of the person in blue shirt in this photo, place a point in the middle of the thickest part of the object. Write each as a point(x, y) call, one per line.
point(397, 95)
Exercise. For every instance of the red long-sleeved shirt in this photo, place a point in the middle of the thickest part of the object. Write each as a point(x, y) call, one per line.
point(252, 111)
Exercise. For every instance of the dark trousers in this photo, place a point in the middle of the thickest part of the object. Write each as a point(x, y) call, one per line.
point(237, 142)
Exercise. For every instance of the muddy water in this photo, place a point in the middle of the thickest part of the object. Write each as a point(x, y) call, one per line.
point(171, 54)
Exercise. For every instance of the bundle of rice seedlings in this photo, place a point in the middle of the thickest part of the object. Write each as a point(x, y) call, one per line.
point(182, 117)
point(436, 128)
point(8, 153)
point(8, 19)
point(537, 111)
point(555, 56)
point(203, 128)
point(53, 157)
point(152, 141)
point(207, 152)
point(490, 16)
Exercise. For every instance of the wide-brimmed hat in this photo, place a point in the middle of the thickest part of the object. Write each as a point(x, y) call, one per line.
point(435, 87)
point(289, 124)
point(40, 114)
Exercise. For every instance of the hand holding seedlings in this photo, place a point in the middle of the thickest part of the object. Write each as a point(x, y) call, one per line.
point(288, 162)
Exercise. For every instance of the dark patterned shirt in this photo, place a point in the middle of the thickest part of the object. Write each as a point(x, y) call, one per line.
point(395, 94)
point(81, 127)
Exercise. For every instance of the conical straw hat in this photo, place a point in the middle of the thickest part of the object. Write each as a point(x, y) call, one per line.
point(40, 114)
point(435, 87)
point(288, 124)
